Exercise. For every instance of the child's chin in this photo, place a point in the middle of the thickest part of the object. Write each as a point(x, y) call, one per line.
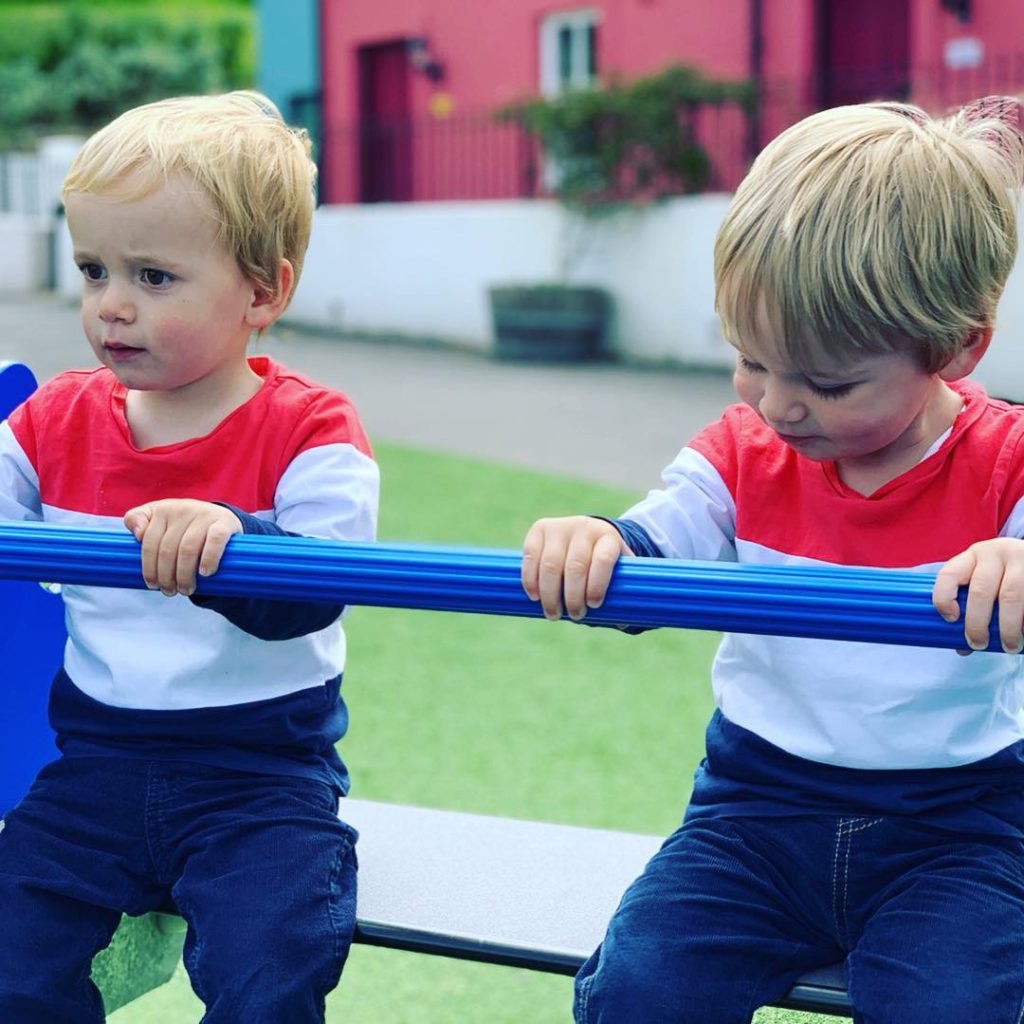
point(815, 448)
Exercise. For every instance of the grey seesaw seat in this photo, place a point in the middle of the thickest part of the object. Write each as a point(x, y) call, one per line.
point(499, 890)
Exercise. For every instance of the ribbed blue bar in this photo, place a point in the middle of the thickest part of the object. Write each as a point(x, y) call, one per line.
point(840, 604)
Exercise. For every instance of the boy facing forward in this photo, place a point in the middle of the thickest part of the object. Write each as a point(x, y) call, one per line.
point(855, 800)
point(197, 733)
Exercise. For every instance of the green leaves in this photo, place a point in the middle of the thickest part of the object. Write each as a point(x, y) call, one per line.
point(77, 67)
point(627, 141)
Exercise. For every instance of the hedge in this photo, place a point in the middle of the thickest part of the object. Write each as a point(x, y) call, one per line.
point(74, 66)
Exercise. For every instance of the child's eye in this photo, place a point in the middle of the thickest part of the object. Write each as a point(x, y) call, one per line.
point(832, 390)
point(92, 271)
point(155, 278)
point(749, 367)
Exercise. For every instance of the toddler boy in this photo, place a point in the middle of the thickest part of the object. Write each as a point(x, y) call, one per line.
point(855, 800)
point(197, 734)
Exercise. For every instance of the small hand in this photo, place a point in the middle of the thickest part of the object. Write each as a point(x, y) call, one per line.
point(570, 558)
point(180, 537)
point(992, 571)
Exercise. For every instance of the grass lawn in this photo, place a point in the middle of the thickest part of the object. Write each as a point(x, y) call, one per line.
point(522, 718)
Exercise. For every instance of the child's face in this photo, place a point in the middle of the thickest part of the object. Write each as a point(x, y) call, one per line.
point(876, 408)
point(164, 304)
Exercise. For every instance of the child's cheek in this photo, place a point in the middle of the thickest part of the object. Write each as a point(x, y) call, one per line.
point(747, 389)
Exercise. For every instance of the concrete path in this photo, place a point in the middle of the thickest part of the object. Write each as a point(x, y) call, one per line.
point(605, 423)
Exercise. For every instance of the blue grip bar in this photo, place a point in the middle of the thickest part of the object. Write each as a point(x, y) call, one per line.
point(877, 606)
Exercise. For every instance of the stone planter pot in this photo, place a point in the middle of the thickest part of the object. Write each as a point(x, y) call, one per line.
point(549, 323)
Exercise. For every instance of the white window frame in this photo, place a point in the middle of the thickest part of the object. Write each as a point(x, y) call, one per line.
point(579, 24)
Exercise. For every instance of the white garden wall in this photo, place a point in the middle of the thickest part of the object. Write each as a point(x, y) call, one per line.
point(24, 252)
point(421, 270)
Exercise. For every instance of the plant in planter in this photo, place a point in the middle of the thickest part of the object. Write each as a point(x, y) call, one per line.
point(605, 149)
point(555, 323)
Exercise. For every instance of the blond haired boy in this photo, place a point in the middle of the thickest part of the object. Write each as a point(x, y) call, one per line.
point(197, 734)
point(855, 800)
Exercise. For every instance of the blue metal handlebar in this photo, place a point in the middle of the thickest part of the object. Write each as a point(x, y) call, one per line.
point(877, 606)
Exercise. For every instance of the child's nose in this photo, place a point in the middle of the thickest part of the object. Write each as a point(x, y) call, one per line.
point(115, 303)
point(781, 403)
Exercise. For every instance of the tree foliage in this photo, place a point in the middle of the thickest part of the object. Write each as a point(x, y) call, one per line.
point(76, 66)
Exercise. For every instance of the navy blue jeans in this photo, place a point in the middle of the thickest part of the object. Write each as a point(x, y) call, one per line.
point(730, 912)
point(259, 866)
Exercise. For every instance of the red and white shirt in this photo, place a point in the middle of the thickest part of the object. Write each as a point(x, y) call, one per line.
point(294, 455)
point(738, 493)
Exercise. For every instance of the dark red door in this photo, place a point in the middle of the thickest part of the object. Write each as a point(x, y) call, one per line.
point(864, 50)
point(385, 127)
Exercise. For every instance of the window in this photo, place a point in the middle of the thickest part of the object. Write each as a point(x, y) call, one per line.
point(568, 51)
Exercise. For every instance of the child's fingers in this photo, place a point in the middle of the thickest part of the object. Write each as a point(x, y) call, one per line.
point(579, 560)
point(544, 564)
point(137, 519)
point(955, 574)
point(533, 545)
point(1011, 607)
point(152, 545)
point(550, 573)
point(593, 552)
point(168, 555)
point(982, 594)
point(602, 564)
point(216, 542)
point(189, 551)
point(545, 560)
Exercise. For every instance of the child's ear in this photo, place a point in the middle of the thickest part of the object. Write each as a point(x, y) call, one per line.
point(968, 357)
point(266, 305)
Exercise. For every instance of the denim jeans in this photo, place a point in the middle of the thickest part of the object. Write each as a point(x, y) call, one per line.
point(259, 866)
point(730, 912)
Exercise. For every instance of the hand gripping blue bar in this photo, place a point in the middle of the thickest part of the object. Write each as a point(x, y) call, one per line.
point(871, 605)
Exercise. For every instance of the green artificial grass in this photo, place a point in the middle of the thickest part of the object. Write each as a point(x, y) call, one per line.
point(523, 718)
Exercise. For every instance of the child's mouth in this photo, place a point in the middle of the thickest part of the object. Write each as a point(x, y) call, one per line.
point(797, 440)
point(118, 351)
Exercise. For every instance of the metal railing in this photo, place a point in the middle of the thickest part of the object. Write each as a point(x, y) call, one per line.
point(473, 156)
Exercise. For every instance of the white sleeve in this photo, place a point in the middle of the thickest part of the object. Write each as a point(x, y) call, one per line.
point(19, 482)
point(329, 491)
point(692, 515)
point(1014, 525)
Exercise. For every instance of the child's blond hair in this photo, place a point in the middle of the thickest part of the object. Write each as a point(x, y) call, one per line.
point(257, 171)
point(871, 229)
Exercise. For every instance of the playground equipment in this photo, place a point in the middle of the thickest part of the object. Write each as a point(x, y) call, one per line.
point(492, 889)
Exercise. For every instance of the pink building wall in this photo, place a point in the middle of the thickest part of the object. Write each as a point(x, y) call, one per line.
point(996, 25)
point(493, 59)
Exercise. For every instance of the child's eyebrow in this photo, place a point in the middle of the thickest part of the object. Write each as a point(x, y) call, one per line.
point(135, 259)
point(150, 258)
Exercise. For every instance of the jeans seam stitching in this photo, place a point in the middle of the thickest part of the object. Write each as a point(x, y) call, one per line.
point(864, 825)
point(835, 879)
point(583, 994)
point(846, 877)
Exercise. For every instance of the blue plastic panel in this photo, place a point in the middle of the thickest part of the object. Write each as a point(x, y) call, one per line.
point(31, 646)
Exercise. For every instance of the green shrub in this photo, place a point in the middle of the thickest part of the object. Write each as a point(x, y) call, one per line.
point(627, 139)
point(96, 81)
point(75, 66)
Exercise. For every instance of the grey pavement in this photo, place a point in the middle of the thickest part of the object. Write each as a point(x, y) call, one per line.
point(601, 422)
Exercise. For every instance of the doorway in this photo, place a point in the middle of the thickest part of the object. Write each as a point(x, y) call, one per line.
point(863, 51)
point(385, 125)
